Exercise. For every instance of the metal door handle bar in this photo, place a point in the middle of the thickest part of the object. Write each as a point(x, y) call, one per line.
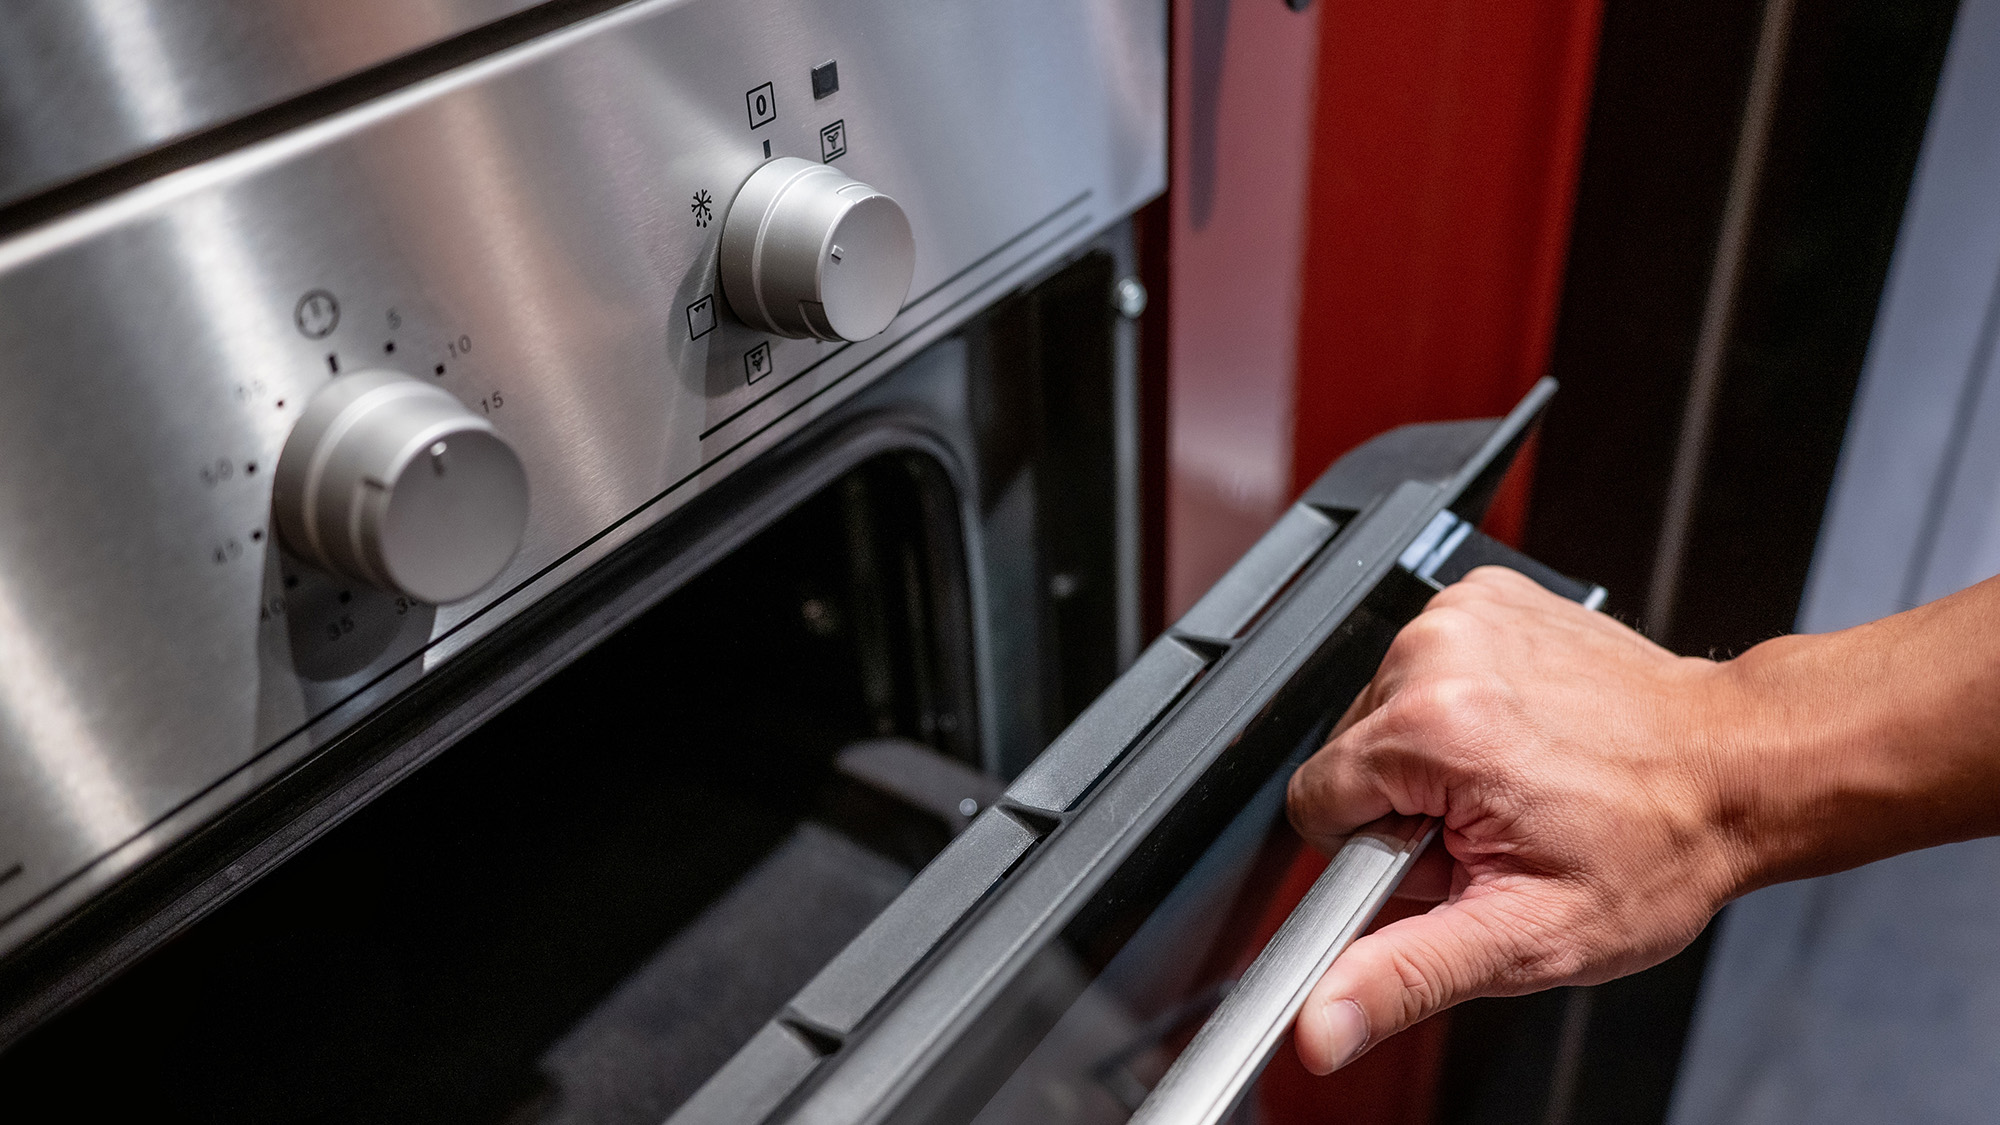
point(1211, 1075)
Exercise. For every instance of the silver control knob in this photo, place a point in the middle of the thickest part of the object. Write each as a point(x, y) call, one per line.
point(392, 481)
point(807, 250)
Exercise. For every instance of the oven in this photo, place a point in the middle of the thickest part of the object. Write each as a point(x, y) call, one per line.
point(582, 562)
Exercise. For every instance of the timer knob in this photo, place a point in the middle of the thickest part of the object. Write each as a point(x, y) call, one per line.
point(392, 481)
point(807, 250)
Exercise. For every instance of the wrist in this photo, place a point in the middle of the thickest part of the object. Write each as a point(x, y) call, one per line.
point(1823, 761)
point(1767, 764)
point(1718, 716)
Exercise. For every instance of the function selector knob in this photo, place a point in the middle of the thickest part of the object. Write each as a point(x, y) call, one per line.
point(392, 481)
point(807, 250)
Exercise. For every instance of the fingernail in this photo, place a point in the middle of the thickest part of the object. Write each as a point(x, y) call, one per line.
point(1346, 1031)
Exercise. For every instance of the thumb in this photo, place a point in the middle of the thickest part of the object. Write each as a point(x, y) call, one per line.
point(1404, 973)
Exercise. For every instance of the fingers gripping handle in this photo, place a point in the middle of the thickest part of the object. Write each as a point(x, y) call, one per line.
point(1210, 1077)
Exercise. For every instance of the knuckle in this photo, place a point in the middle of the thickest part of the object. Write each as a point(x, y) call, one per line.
point(1481, 586)
point(1313, 797)
point(1448, 614)
point(1462, 592)
point(1437, 630)
point(1445, 708)
point(1497, 580)
point(1377, 760)
point(1455, 697)
point(1405, 653)
point(1299, 803)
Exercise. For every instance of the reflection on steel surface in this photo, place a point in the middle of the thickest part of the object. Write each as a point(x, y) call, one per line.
point(87, 83)
point(49, 732)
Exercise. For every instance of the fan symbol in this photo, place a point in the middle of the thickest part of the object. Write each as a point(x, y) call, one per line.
point(703, 208)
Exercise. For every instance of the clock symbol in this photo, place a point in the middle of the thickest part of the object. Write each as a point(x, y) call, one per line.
point(317, 314)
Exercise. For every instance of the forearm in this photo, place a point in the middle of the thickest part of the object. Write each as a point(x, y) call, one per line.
point(1839, 749)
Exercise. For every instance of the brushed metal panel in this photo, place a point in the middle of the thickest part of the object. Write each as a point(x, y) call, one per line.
point(526, 224)
point(85, 83)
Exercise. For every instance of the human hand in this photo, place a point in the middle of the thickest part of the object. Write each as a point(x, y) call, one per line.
point(1575, 765)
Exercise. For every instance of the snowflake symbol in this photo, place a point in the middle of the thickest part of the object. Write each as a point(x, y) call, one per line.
point(703, 208)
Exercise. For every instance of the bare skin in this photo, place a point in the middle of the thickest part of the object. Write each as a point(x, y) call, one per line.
point(1603, 798)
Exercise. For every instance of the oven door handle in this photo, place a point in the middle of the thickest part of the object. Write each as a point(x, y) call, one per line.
point(1210, 1077)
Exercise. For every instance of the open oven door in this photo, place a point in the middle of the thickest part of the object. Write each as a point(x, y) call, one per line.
point(1053, 963)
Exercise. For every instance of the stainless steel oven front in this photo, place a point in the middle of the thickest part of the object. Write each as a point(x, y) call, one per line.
point(535, 232)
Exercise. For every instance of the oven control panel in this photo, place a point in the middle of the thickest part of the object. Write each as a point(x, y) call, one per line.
point(289, 426)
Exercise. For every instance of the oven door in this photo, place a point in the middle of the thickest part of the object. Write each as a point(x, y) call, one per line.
point(1055, 959)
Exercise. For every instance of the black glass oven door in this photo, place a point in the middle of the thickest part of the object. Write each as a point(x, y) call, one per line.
point(1051, 963)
